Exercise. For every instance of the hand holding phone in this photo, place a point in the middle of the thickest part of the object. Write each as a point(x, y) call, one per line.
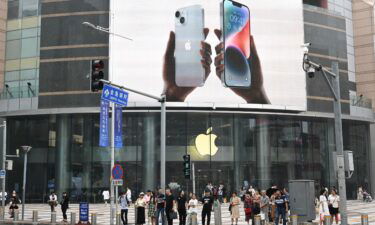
point(254, 94)
point(173, 92)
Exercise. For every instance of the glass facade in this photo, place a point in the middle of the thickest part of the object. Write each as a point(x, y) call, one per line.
point(232, 149)
point(22, 49)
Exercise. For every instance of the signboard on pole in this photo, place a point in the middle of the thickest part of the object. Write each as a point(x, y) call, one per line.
point(83, 211)
point(117, 172)
point(2, 174)
point(118, 126)
point(115, 95)
point(103, 130)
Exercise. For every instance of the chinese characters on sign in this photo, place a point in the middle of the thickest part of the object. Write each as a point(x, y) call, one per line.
point(103, 134)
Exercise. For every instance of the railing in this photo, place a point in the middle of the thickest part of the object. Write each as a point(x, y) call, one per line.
point(360, 101)
point(19, 92)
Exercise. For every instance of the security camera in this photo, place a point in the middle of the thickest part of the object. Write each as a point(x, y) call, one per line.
point(311, 72)
point(305, 47)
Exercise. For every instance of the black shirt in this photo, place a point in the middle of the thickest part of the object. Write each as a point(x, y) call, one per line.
point(181, 203)
point(160, 200)
point(169, 202)
point(207, 203)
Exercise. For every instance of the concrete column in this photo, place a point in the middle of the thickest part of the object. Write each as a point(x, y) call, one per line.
point(87, 149)
point(148, 153)
point(263, 153)
point(372, 159)
point(331, 154)
point(62, 160)
point(238, 146)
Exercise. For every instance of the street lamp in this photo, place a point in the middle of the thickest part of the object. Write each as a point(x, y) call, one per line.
point(333, 83)
point(25, 149)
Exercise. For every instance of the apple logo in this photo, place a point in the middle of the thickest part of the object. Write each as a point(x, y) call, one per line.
point(188, 45)
point(206, 142)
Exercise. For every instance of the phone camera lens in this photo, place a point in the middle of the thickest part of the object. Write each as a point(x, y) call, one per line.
point(182, 20)
point(177, 14)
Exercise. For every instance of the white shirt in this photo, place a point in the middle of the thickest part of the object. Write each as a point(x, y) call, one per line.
point(334, 200)
point(193, 206)
point(53, 197)
point(323, 205)
point(105, 194)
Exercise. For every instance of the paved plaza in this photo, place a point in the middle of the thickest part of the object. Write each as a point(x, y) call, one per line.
point(355, 208)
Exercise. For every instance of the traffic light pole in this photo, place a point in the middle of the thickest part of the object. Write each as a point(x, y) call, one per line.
point(3, 167)
point(162, 101)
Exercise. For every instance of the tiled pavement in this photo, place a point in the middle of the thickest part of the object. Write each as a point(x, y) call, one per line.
point(102, 211)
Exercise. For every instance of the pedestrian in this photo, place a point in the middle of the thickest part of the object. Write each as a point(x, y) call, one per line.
point(256, 205)
point(181, 207)
point(52, 201)
point(105, 194)
point(207, 202)
point(264, 206)
point(360, 193)
point(235, 202)
point(220, 193)
point(323, 206)
point(281, 206)
point(160, 207)
point(147, 196)
point(140, 204)
point(14, 201)
point(151, 209)
point(192, 208)
point(64, 206)
point(124, 207)
point(169, 206)
point(333, 206)
point(248, 205)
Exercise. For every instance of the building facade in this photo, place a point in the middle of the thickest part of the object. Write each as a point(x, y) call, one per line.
point(47, 103)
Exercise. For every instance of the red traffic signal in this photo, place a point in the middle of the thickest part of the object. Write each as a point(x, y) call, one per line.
point(97, 73)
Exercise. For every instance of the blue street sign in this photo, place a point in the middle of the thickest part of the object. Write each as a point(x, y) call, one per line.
point(117, 172)
point(118, 126)
point(115, 95)
point(83, 212)
point(2, 174)
point(103, 130)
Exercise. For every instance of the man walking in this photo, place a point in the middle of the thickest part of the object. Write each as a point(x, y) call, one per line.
point(207, 202)
point(169, 205)
point(124, 205)
point(281, 206)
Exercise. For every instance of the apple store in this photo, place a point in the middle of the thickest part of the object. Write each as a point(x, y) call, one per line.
point(232, 149)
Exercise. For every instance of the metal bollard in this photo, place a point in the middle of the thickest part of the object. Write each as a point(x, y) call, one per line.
point(72, 218)
point(364, 219)
point(118, 219)
point(294, 220)
point(35, 216)
point(217, 213)
point(16, 214)
point(93, 218)
point(257, 219)
point(53, 217)
point(327, 220)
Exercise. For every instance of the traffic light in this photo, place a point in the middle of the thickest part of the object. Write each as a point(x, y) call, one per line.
point(187, 166)
point(97, 73)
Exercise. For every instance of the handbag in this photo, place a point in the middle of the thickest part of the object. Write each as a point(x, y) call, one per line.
point(173, 215)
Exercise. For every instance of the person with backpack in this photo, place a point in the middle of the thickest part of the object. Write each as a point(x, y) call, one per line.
point(124, 203)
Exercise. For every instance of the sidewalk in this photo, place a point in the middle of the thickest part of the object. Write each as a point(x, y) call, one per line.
point(102, 211)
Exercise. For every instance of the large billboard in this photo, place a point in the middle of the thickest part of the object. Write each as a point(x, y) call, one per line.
point(222, 52)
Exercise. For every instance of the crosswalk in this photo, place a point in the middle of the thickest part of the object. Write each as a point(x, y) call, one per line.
point(355, 208)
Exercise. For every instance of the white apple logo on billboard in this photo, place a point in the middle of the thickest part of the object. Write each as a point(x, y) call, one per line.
point(188, 45)
point(206, 142)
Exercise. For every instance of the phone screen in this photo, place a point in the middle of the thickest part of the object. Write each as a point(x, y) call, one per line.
point(236, 28)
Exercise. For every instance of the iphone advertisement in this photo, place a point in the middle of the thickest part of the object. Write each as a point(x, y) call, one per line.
point(230, 53)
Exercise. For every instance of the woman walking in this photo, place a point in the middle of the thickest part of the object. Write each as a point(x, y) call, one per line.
point(248, 205)
point(64, 206)
point(333, 206)
point(140, 204)
point(181, 208)
point(323, 205)
point(151, 209)
point(235, 202)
